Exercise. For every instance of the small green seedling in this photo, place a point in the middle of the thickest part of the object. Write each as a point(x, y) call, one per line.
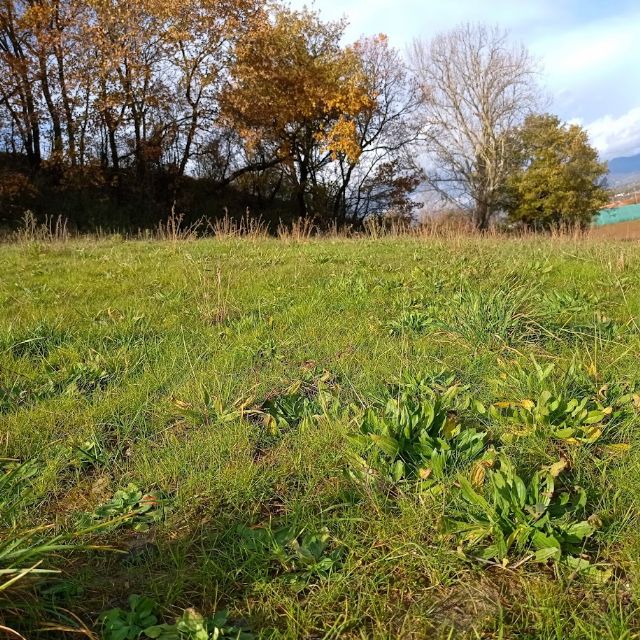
point(191, 625)
point(288, 411)
point(413, 321)
point(303, 402)
point(89, 454)
point(141, 621)
point(118, 624)
point(303, 555)
point(140, 510)
point(210, 410)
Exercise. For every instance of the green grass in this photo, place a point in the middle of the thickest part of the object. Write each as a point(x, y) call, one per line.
point(220, 410)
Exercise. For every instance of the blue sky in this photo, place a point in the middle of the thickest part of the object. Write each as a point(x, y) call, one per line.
point(589, 50)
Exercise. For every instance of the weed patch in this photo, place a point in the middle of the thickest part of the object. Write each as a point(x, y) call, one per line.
point(302, 556)
point(133, 508)
point(417, 436)
point(141, 620)
point(523, 520)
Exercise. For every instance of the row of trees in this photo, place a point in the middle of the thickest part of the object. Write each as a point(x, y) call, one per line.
point(212, 104)
point(490, 150)
point(147, 95)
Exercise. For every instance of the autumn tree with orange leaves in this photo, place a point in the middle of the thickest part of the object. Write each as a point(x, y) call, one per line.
point(129, 102)
point(297, 91)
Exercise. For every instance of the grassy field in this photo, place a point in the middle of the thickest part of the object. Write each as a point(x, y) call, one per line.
point(625, 231)
point(393, 438)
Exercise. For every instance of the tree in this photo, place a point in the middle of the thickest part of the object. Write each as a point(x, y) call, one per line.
point(559, 180)
point(203, 37)
point(296, 89)
point(124, 103)
point(382, 177)
point(477, 89)
point(17, 89)
point(131, 45)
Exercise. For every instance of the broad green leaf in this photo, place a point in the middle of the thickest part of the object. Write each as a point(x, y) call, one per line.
point(387, 444)
point(593, 417)
point(162, 632)
point(548, 553)
point(578, 531)
point(471, 496)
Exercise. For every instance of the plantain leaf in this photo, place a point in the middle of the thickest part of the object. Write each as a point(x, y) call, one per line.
point(387, 444)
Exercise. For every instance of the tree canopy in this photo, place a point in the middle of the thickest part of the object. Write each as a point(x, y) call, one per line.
point(113, 113)
point(477, 88)
point(559, 179)
point(296, 89)
point(126, 104)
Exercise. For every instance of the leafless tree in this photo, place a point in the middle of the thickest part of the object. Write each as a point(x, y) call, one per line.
point(385, 175)
point(477, 88)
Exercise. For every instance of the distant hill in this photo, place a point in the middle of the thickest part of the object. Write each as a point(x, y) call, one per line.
point(624, 170)
point(631, 164)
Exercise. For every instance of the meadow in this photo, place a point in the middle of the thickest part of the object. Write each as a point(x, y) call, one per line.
point(328, 438)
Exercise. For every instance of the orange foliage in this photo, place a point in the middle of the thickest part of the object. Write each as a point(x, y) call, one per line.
point(293, 82)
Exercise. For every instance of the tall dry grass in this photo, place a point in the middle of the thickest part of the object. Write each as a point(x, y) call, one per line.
point(229, 227)
point(55, 229)
point(49, 229)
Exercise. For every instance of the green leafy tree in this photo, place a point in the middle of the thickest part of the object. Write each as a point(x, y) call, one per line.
point(559, 180)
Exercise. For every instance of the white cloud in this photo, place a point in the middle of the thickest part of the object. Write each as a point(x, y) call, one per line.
point(403, 20)
point(591, 71)
point(616, 136)
point(589, 49)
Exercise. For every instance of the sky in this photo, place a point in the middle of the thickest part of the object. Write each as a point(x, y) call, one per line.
point(589, 50)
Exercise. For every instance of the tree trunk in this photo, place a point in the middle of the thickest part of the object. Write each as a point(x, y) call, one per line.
point(302, 187)
point(481, 216)
point(186, 155)
point(31, 116)
point(68, 111)
point(113, 145)
point(58, 150)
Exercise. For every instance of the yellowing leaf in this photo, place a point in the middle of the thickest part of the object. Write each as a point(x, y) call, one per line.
point(592, 434)
point(478, 471)
point(477, 475)
point(619, 449)
point(526, 430)
point(558, 467)
point(451, 428)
